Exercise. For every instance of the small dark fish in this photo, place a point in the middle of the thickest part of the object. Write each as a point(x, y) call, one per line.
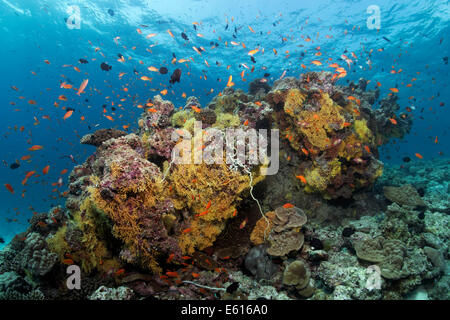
point(175, 77)
point(135, 71)
point(105, 67)
point(302, 54)
point(111, 12)
point(144, 26)
point(184, 36)
point(195, 27)
point(173, 55)
point(120, 56)
point(2, 240)
point(445, 60)
point(406, 159)
point(234, 36)
point(233, 287)
point(386, 39)
point(347, 232)
point(226, 27)
point(83, 61)
point(163, 70)
point(14, 165)
point(266, 75)
point(253, 59)
point(440, 41)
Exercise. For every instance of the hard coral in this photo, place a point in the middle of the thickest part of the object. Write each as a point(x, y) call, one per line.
point(285, 235)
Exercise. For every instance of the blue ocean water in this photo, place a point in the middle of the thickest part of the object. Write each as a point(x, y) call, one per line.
point(412, 40)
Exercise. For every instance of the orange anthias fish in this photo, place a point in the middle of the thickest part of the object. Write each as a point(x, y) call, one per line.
point(28, 175)
point(302, 178)
point(230, 82)
point(196, 109)
point(418, 155)
point(68, 114)
point(394, 90)
point(170, 258)
point(9, 187)
point(46, 169)
point(243, 223)
point(288, 205)
point(66, 86)
point(172, 274)
point(82, 86)
point(36, 147)
point(393, 121)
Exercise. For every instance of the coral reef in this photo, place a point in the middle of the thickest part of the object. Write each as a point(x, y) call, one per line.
point(328, 225)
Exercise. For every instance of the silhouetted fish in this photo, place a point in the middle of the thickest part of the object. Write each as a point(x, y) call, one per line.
point(175, 77)
point(184, 36)
point(83, 61)
point(111, 12)
point(14, 165)
point(105, 67)
point(163, 70)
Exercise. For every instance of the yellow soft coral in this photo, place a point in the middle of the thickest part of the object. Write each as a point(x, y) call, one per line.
point(320, 177)
point(179, 118)
point(294, 101)
point(319, 125)
point(226, 120)
point(195, 186)
point(363, 131)
point(124, 211)
point(93, 253)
